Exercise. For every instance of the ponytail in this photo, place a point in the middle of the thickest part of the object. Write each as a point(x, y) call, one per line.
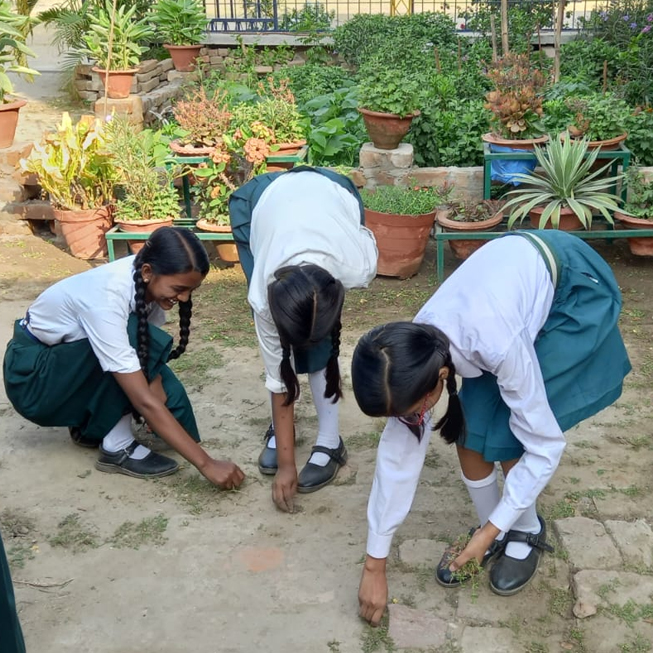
point(333, 380)
point(185, 314)
point(142, 331)
point(452, 424)
point(288, 376)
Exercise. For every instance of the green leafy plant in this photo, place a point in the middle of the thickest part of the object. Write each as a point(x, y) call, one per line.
point(640, 135)
point(566, 181)
point(128, 36)
point(598, 117)
point(12, 48)
point(640, 194)
point(405, 200)
point(474, 211)
point(73, 165)
point(517, 97)
point(313, 17)
point(388, 90)
point(179, 22)
point(145, 190)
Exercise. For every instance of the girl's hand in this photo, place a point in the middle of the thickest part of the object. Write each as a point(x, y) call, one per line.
point(223, 473)
point(373, 591)
point(479, 543)
point(284, 487)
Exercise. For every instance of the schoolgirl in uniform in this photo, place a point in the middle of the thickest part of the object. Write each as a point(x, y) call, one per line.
point(530, 324)
point(302, 244)
point(11, 635)
point(90, 352)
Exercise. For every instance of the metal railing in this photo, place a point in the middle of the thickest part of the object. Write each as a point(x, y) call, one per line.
point(283, 15)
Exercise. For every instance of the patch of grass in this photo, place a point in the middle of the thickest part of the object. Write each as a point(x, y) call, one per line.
point(639, 645)
point(18, 554)
point(147, 531)
point(193, 366)
point(73, 535)
point(537, 647)
point(334, 646)
point(377, 639)
point(195, 492)
point(362, 441)
point(560, 601)
point(15, 524)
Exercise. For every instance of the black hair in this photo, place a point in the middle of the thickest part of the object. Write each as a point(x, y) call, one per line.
point(306, 306)
point(169, 250)
point(395, 365)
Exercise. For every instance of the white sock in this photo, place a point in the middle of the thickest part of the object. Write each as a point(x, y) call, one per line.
point(485, 496)
point(120, 437)
point(328, 434)
point(527, 523)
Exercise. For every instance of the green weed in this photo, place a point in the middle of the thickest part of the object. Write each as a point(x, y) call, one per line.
point(377, 639)
point(147, 531)
point(73, 535)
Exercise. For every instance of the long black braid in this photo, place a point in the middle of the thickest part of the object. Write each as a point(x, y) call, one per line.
point(333, 380)
point(185, 314)
point(288, 376)
point(452, 424)
point(142, 332)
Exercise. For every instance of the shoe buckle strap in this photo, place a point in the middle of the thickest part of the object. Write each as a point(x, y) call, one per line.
point(537, 542)
point(127, 452)
point(334, 454)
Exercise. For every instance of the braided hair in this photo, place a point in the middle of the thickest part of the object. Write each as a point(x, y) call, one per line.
point(168, 251)
point(306, 306)
point(395, 365)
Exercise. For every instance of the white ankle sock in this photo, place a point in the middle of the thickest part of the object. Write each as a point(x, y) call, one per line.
point(527, 523)
point(328, 434)
point(272, 442)
point(120, 437)
point(485, 496)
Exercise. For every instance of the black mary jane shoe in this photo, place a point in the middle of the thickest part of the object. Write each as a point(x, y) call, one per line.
point(154, 465)
point(81, 440)
point(447, 578)
point(510, 575)
point(313, 477)
point(267, 460)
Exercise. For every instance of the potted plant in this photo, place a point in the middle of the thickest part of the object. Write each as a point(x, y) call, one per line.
point(181, 25)
point(401, 219)
point(12, 52)
point(566, 193)
point(466, 216)
point(115, 42)
point(638, 211)
point(146, 197)
point(600, 119)
point(388, 101)
point(203, 120)
point(76, 170)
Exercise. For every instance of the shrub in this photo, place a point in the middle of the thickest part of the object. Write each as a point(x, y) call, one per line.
point(640, 136)
point(405, 200)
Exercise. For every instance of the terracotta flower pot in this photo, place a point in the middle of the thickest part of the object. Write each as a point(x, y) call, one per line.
point(569, 221)
point(515, 143)
point(462, 249)
point(607, 144)
point(190, 150)
point(139, 227)
point(386, 130)
point(228, 252)
point(639, 246)
point(117, 82)
point(9, 121)
point(83, 231)
point(183, 57)
point(401, 240)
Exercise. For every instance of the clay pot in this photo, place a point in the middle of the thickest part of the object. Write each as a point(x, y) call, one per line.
point(463, 249)
point(117, 82)
point(9, 121)
point(190, 150)
point(83, 231)
point(183, 57)
point(607, 144)
point(569, 221)
point(139, 227)
point(401, 241)
point(386, 130)
point(228, 252)
point(638, 246)
point(516, 143)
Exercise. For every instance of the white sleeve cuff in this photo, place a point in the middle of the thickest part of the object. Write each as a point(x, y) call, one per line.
point(274, 386)
point(504, 517)
point(378, 546)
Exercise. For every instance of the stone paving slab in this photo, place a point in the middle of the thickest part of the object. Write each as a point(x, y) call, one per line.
point(576, 533)
point(594, 589)
point(410, 628)
point(421, 552)
point(488, 640)
point(605, 634)
point(634, 540)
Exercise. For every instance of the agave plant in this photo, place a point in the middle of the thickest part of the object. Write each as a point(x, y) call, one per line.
point(567, 181)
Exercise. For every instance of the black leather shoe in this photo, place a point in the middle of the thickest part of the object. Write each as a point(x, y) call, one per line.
point(81, 440)
point(447, 578)
point(153, 465)
point(267, 460)
point(509, 575)
point(313, 477)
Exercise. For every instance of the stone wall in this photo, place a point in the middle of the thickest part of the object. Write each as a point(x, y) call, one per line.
point(395, 167)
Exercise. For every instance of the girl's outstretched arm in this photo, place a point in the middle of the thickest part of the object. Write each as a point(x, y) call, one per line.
point(284, 486)
point(150, 404)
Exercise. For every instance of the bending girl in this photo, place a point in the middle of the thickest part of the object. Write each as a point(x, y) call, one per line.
point(89, 352)
point(530, 324)
point(301, 243)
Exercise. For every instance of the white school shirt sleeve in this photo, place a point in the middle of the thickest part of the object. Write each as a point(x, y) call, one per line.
point(533, 424)
point(399, 462)
point(271, 352)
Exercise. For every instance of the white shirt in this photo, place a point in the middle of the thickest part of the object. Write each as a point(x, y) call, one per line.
point(301, 218)
point(96, 305)
point(491, 308)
